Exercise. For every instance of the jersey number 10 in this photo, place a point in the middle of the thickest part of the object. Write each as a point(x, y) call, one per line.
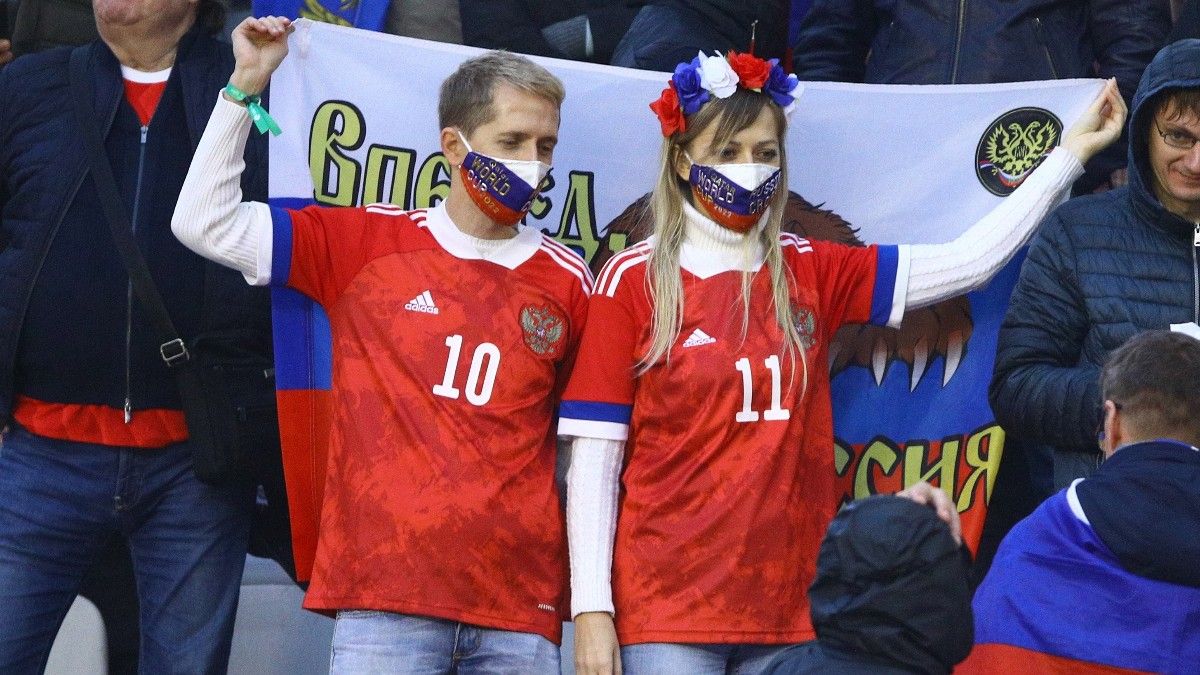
point(776, 411)
point(480, 379)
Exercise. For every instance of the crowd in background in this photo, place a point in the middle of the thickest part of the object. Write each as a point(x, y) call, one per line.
point(1051, 435)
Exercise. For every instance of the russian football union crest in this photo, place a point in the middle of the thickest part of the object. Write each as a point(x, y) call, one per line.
point(1013, 146)
point(544, 330)
point(806, 325)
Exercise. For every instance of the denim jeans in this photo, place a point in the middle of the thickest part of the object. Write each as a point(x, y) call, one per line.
point(386, 642)
point(61, 503)
point(660, 658)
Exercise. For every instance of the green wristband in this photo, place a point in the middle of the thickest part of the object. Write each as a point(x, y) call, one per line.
point(258, 114)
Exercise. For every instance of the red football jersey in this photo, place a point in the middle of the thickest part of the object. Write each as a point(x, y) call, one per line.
point(728, 482)
point(440, 497)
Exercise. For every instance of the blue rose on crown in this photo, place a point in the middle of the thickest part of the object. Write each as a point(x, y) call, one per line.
point(695, 82)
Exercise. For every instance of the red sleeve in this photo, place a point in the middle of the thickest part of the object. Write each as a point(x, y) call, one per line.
point(599, 398)
point(579, 317)
point(856, 284)
point(318, 250)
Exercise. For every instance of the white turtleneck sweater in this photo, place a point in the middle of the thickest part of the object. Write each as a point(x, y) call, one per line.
point(211, 219)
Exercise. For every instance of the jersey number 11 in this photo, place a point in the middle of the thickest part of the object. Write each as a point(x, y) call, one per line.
point(776, 411)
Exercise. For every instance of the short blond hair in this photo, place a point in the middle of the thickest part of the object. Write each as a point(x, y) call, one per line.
point(465, 99)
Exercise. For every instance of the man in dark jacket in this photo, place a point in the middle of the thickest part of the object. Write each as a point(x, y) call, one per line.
point(583, 30)
point(1103, 268)
point(891, 595)
point(1106, 574)
point(981, 41)
point(668, 32)
point(96, 446)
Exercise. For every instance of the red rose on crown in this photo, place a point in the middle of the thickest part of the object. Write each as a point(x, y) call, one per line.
point(670, 115)
point(752, 71)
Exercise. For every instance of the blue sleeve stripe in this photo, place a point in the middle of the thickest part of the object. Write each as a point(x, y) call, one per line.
point(596, 412)
point(281, 246)
point(882, 295)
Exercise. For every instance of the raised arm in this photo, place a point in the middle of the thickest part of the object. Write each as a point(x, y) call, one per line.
point(210, 217)
point(941, 271)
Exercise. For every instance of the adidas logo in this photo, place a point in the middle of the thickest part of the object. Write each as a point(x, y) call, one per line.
point(422, 303)
point(697, 338)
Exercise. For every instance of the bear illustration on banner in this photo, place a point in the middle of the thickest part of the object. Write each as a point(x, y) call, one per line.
point(960, 464)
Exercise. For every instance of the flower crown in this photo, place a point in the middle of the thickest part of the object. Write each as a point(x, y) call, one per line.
point(695, 82)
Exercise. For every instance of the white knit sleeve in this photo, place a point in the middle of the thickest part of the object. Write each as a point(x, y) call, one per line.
point(210, 217)
point(593, 482)
point(940, 271)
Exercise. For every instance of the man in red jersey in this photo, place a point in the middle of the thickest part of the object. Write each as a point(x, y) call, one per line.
point(441, 544)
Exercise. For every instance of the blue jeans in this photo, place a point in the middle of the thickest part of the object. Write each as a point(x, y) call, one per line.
point(660, 658)
point(61, 503)
point(366, 641)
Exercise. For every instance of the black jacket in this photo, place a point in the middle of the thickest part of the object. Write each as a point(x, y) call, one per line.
point(1100, 269)
point(64, 309)
point(1144, 505)
point(516, 25)
point(983, 41)
point(979, 41)
point(891, 595)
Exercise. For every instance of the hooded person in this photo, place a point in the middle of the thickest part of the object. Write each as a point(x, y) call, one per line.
point(1101, 269)
point(1104, 577)
point(891, 595)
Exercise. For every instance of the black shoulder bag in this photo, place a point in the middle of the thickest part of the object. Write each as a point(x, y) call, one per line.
point(219, 377)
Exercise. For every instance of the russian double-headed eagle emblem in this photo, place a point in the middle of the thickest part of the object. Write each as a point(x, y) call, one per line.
point(544, 330)
point(1013, 146)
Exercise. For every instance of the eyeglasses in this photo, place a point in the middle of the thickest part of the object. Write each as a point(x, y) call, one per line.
point(1180, 140)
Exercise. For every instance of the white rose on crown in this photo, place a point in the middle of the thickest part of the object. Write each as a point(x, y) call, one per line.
point(716, 76)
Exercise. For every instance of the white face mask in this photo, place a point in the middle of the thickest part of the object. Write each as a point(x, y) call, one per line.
point(531, 171)
point(747, 176)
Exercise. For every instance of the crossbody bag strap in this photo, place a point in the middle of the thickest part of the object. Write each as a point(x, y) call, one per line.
point(173, 350)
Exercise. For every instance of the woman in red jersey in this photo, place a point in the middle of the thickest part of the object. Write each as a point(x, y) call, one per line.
point(700, 388)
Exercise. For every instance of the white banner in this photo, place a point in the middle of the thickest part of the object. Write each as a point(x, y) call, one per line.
point(901, 164)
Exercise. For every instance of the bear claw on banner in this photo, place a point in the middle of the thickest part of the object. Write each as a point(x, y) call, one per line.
point(927, 333)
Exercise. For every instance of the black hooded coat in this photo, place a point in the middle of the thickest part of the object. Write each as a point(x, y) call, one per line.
point(891, 595)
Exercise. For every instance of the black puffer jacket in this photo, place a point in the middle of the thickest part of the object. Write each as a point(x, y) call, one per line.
point(983, 41)
point(891, 595)
point(1101, 269)
point(978, 41)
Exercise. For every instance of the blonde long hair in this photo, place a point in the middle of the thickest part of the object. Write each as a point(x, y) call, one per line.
point(664, 282)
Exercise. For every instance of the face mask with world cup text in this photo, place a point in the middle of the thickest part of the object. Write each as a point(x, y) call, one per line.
point(504, 189)
point(735, 196)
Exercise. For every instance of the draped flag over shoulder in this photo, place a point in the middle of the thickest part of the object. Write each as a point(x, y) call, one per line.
point(869, 164)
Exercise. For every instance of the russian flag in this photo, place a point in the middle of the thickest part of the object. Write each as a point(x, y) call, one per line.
point(303, 383)
point(1057, 600)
